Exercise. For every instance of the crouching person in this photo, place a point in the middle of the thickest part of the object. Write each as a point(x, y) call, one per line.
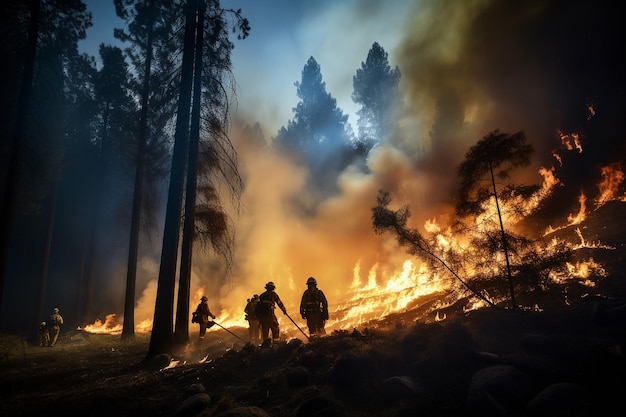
point(44, 335)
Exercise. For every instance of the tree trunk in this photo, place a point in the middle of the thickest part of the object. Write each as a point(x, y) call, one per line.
point(128, 329)
point(161, 340)
point(12, 177)
point(46, 256)
point(505, 247)
point(181, 333)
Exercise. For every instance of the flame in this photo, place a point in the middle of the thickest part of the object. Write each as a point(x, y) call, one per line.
point(172, 364)
point(581, 271)
point(592, 111)
point(377, 293)
point(558, 158)
point(109, 326)
point(571, 141)
point(609, 185)
point(581, 215)
point(572, 219)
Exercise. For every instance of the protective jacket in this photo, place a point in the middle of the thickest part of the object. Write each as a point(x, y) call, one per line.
point(268, 302)
point(265, 311)
point(314, 301)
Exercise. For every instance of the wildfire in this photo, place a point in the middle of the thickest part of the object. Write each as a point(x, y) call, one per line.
point(581, 215)
point(373, 295)
point(110, 325)
point(609, 185)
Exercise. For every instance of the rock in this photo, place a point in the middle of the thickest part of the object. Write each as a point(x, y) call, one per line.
point(244, 412)
point(193, 405)
point(158, 362)
point(399, 388)
point(498, 388)
point(298, 377)
point(559, 400)
point(194, 389)
point(350, 370)
point(320, 407)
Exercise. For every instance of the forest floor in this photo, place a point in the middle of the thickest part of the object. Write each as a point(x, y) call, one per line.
point(341, 374)
point(565, 359)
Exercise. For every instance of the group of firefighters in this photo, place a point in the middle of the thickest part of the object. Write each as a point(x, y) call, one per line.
point(259, 312)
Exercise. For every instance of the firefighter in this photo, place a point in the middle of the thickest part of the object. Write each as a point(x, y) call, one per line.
point(201, 316)
point(54, 327)
point(265, 311)
point(314, 308)
point(254, 325)
point(44, 335)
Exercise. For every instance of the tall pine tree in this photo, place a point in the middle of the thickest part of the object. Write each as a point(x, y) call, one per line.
point(376, 90)
point(319, 134)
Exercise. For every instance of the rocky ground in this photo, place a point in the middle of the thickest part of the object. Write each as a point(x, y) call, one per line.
point(565, 362)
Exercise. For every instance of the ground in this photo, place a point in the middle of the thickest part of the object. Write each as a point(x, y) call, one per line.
point(565, 359)
point(351, 371)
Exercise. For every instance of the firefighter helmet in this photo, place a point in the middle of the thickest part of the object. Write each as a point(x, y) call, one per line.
point(203, 298)
point(270, 286)
point(311, 281)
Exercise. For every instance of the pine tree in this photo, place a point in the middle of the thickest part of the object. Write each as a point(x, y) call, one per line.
point(40, 45)
point(319, 134)
point(162, 339)
point(494, 156)
point(147, 27)
point(376, 90)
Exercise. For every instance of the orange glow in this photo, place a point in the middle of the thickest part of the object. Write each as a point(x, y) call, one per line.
point(571, 141)
point(376, 287)
point(609, 185)
point(558, 158)
point(581, 215)
point(109, 326)
point(592, 111)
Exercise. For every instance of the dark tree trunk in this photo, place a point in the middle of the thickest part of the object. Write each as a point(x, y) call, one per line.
point(181, 333)
point(128, 329)
point(12, 178)
point(505, 247)
point(46, 257)
point(161, 340)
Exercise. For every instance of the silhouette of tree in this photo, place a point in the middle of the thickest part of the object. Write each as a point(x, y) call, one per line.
point(115, 122)
point(319, 134)
point(387, 220)
point(495, 155)
point(212, 157)
point(375, 87)
point(39, 45)
point(162, 339)
point(148, 26)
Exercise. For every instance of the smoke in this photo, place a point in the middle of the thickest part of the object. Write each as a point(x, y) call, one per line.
point(468, 68)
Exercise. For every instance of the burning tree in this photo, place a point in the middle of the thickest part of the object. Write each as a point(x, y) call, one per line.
point(385, 219)
point(482, 244)
point(495, 155)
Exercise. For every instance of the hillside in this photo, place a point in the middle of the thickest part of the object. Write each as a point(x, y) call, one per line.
point(565, 359)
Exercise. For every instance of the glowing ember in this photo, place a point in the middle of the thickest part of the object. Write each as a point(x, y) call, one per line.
point(571, 141)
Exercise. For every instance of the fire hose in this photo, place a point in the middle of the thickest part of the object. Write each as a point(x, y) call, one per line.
point(229, 331)
point(307, 336)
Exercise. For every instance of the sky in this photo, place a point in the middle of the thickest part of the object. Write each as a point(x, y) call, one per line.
point(469, 67)
point(284, 35)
